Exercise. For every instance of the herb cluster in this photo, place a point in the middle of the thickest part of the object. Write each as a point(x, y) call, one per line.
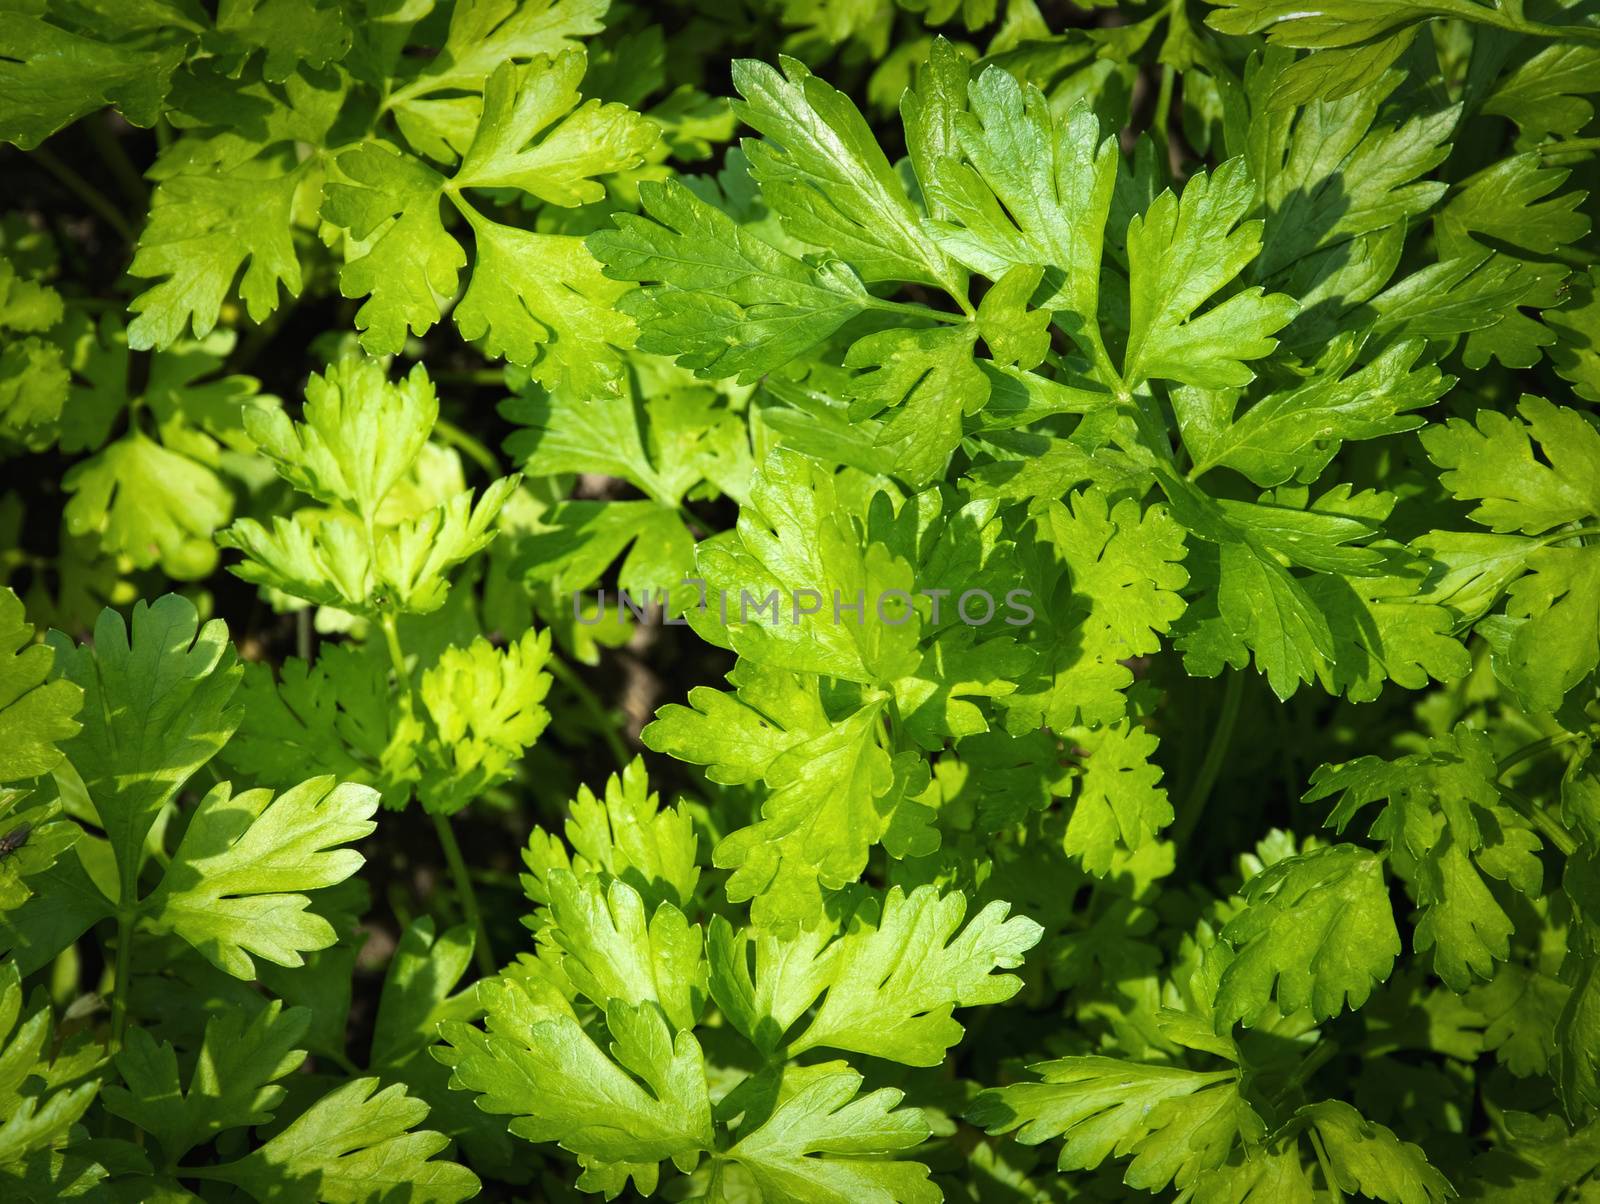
point(354, 353)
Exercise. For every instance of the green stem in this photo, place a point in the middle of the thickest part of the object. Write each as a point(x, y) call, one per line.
point(397, 657)
point(919, 311)
point(1539, 818)
point(116, 158)
point(470, 447)
point(1537, 29)
point(84, 191)
point(1334, 1194)
point(479, 376)
point(1163, 109)
point(124, 972)
point(481, 951)
point(587, 699)
point(1528, 751)
point(1316, 1058)
point(1558, 536)
point(1216, 751)
point(1569, 146)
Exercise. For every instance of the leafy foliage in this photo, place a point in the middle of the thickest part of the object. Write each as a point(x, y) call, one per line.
point(1008, 612)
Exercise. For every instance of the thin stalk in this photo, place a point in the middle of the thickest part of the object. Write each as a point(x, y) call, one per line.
point(478, 376)
point(1569, 146)
point(1317, 1057)
point(467, 445)
point(1558, 536)
point(124, 972)
point(397, 656)
point(1221, 736)
point(1334, 1194)
point(1536, 815)
point(1529, 751)
point(1163, 110)
point(116, 158)
point(588, 700)
point(919, 311)
point(1538, 29)
point(84, 191)
point(481, 951)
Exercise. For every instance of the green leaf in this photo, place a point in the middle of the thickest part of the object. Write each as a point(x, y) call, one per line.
point(36, 714)
point(830, 1144)
point(374, 551)
point(1493, 463)
point(725, 302)
point(1253, 602)
point(359, 437)
point(1295, 432)
point(1335, 22)
point(614, 951)
point(485, 709)
point(41, 1114)
point(542, 300)
point(290, 32)
point(1576, 355)
point(1181, 252)
point(1520, 1007)
point(153, 500)
point(51, 76)
point(519, 105)
point(149, 504)
point(1370, 1159)
point(1119, 805)
point(33, 377)
point(665, 446)
point(1339, 180)
point(233, 1082)
point(1481, 294)
point(1037, 192)
point(202, 231)
point(821, 170)
point(819, 820)
point(626, 835)
point(1505, 204)
point(544, 1070)
point(407, 265)
point(354, 1142)
point(334, 714)
point(1544, 92)
point(1124, 566)
point(1107, 1108)
point(1447, 827)
point(156, 708)
point(234, 885)
point(416, 991)
point(798, 549)
point(1540, 1153)
point(482, 35)
point(921, 383)
point(885, 1001)
point(1316, 932)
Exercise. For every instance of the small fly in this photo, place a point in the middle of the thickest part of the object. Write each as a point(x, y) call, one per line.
point(14, 840)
